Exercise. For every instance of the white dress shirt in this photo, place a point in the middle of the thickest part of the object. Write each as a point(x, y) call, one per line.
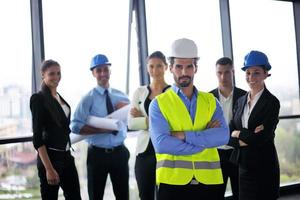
point(249, 107)
point(226, 104)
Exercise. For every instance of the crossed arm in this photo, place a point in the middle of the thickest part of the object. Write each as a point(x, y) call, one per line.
point(186, 142)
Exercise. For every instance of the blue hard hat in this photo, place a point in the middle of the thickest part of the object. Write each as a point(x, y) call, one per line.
point(99, 60)
point(256, 58)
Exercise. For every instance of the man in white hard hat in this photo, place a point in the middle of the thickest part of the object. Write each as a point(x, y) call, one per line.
point(186, 126)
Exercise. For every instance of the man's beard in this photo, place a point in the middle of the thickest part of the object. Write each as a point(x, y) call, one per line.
point(185, 83)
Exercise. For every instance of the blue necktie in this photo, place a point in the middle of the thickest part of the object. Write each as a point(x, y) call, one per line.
point(109, 105)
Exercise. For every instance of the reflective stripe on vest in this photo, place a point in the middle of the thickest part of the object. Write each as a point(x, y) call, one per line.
point(188, 164)
point(180, 169)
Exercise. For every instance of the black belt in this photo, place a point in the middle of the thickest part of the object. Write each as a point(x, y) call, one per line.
point(107, 150)
point(57, 150)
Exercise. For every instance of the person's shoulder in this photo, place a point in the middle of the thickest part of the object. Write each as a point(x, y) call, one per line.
point(154, 105)
point(36, 99)
point(36, 96)
point(207, 94)
point(242, 98)
point(114, 90)
point(167, 93)
point(272, 98)
point(88, 96)
point(90, 93)
point(142, 89)
point(239, 90)
point(118, 93)
point(214, 91)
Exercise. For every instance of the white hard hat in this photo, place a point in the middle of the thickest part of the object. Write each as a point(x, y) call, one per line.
point(184, 48)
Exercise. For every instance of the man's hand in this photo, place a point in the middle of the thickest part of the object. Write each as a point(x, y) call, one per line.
point(259, 128)
point(121, 104)
point(242, 144)
point(136, 113)
point(235, 134)
point(179, 134)
point(87, 130)
point(102, 130)
point(213, 124)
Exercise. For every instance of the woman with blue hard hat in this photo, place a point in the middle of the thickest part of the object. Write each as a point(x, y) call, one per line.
point(253, 132)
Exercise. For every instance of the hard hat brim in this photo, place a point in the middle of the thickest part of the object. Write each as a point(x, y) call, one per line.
point(100, 65)
point(265, 67)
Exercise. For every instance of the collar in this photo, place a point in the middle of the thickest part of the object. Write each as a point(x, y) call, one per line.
point(179, 91)
point(221, 96)
point(102, 89)
point(256, 97)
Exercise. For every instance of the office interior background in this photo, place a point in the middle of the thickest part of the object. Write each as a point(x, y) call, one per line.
point(72, 31)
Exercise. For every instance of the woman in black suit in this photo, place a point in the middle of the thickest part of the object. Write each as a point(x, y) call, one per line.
point(253, 132)
point(50, 122)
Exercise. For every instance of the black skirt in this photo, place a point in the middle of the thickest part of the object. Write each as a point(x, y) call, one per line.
point(259, 184)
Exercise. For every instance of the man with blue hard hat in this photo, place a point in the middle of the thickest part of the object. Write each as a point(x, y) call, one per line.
point(99, 60)
point(106, 152)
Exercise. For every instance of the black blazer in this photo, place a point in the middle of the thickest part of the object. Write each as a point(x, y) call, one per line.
point(237, 93)
point(49, 122)
point(260, 152)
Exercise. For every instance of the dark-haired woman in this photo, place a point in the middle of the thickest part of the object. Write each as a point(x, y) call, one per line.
point(50, 122)
point(253, 134)
point(145, 164)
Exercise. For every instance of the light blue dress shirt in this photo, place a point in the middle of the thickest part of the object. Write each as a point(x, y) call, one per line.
point(195, 141)
point(94, 103)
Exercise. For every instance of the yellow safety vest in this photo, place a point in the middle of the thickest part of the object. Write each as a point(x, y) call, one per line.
point(180, 169)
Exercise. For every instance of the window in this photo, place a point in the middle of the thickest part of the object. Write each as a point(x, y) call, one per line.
point(134, 65)
point(15, 79)
point(169, 20)
point(287, 142)
point(74, 32)
point(268, 26)
point(18, 173)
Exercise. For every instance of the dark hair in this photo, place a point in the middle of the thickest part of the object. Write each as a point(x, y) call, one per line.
point(47, 64)
point(49, 100)
point(224, 61)
point(172, 61)
point(44, 66)
point(159, 55)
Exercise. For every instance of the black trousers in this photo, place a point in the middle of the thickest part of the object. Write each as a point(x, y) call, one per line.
point(182, 192)
point(145, 166)
point(100, 163)
point(63, 163)
point(229, 170)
